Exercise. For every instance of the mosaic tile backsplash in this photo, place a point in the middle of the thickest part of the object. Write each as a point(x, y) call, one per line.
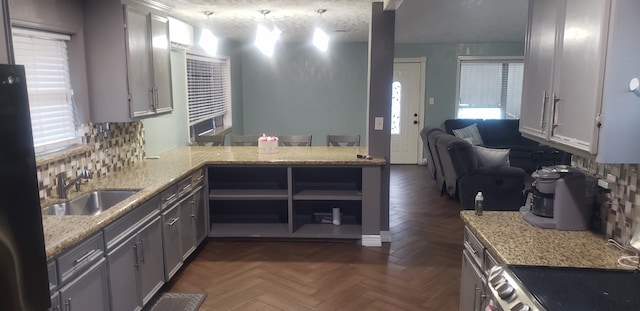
point(108, 147)
point(617, 210)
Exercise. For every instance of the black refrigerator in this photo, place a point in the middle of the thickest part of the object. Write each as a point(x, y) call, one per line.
point(23, 265)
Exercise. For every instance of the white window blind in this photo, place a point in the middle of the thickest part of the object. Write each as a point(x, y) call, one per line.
point(209, 87)
point(44, 56)
point(489, 88)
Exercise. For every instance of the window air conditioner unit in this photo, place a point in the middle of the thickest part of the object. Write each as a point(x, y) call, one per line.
point(181, 34)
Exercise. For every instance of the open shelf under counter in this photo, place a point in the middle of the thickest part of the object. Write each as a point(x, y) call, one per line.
point(325, 195)
point(248, 194)
point(266, 230)
point(329, 231)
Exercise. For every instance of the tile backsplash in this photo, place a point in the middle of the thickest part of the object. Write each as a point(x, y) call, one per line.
point(108, 147)
point(618, 209)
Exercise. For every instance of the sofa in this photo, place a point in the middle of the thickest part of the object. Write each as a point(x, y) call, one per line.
point(505, 134)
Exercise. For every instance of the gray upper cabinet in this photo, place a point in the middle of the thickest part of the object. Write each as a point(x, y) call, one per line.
point(128, 59)
point(578, 63)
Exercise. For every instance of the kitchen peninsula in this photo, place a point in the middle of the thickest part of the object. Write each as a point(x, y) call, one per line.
point(299, 181)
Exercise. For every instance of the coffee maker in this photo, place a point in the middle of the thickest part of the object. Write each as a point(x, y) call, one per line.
point(558, 199)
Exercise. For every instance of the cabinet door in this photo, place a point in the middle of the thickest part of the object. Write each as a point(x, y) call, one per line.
point(139, 63)
point(580, 74)
point(88, 291)
point(171, 241)
point(161, 64)
point(123, 275)
point(201, 215)
point(151, 261)
point(55, 302)
point(187, 226)
point(472, 286)
point(538, 70)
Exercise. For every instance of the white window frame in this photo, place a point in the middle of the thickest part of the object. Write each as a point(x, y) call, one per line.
point(221, 105)
point(480, 59)
point(54, 117)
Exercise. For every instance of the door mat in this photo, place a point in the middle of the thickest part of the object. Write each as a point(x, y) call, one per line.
point(176, 302)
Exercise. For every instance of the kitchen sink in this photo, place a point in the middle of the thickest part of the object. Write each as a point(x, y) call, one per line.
point(92, 203)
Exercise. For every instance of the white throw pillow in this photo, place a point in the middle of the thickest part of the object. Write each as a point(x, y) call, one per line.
point(492, 158)
point(470, 131)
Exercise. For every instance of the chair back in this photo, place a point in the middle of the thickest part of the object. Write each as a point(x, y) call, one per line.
point(343, 140)
point(294, 140)
point(212, 140)
point(432, 165)
point(244, 140)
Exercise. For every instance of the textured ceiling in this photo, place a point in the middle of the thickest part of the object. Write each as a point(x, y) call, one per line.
point(417, 21)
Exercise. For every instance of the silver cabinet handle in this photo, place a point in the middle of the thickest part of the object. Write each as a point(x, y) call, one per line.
point(141, 250)
point(545, 97)
point(193, 209)
point(67, 304)
point(555, 113)
point(199, 179)
point(170, 198)
point(84, 257)
point(173, 221)
point(156, 99)
point(137, 263)
point(151, 98)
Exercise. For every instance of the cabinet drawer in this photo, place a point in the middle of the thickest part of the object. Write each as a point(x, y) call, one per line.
point(53, 275)
point(475, 248)
point(168, 196)
point(489, 262)
point(184, 187)
point(129, 223)
point(197, 178)
point(80, 257)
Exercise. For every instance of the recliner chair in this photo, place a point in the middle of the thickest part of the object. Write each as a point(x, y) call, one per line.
point(501, 187)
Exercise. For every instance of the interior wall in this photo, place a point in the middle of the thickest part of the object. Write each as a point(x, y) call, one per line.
point(441, 71)
point(303, 91)
point(168, 131)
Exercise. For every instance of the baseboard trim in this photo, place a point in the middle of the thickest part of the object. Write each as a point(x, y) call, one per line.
point(385, 236)
point(371, 240)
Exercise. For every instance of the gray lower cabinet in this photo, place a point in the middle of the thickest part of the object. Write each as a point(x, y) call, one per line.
point(88, 291)
point(472, 288)
point(192, 222)
point(171, 241)
point(136, 268)
point(55, 302)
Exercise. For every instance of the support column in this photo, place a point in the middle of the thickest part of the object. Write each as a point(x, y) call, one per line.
point(381, 52)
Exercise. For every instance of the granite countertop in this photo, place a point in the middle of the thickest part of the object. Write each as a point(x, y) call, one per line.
point(152, 176)
point(511, 240)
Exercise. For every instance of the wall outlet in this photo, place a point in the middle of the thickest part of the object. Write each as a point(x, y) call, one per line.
point(379, 124)
point(431, 101)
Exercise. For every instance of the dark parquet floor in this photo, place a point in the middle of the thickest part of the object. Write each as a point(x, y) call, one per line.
point(418, 270)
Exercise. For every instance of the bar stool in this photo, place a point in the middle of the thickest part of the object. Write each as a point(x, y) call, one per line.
point(244, 140)
point(294, 140)
point(212, 140)
point(343, 140)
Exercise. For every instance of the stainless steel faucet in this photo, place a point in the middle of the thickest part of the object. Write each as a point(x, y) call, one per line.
point(63, 187)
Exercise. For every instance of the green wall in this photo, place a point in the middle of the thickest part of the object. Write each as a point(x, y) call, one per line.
point(169, 131)
point(303, 91)
point(441, 71)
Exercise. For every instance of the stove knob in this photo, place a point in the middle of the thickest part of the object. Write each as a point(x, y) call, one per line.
point(496, 279)
point(505, 290)
point(495, 270)
point(521, 307)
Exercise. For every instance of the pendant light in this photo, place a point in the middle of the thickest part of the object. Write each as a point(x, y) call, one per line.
point(208, 42)
point(266, 39)
point(320, 38)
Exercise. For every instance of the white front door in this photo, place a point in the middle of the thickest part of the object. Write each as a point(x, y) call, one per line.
point(406, 115)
